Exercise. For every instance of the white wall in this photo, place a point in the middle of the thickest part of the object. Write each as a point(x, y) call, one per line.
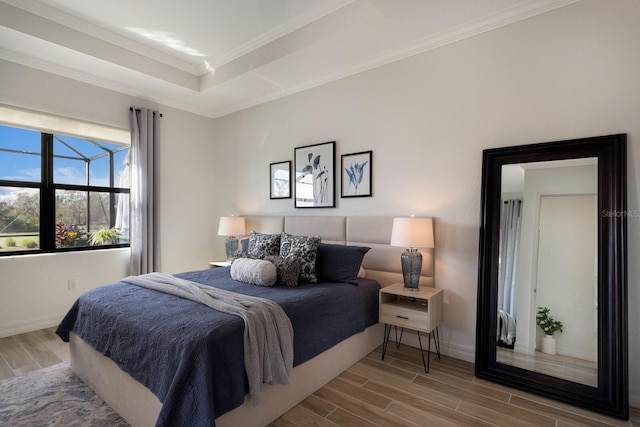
point(33, 289)
point(570, 73)
point(567, 271)
point(35, 292)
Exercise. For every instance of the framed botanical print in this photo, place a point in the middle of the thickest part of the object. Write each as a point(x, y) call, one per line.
point(315, 184)
point(356, 170)
point(280, 181)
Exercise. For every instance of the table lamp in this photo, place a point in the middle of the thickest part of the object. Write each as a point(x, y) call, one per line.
point(231, 226)
point(412, 233)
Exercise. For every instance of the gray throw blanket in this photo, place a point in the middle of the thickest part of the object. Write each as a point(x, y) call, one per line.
point(268, 334)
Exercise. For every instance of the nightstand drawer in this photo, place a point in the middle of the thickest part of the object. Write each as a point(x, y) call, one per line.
point(403, 317)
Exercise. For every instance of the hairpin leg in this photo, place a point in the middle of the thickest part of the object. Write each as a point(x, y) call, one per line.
point(425, 365)
point(385, 340)
point(436, 340)
point(425, 362)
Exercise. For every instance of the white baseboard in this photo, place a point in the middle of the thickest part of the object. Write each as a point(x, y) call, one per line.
point(9, 329)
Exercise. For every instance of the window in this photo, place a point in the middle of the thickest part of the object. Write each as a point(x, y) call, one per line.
point(61, 193)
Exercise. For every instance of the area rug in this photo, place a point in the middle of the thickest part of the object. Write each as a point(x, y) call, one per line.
point(53, 396)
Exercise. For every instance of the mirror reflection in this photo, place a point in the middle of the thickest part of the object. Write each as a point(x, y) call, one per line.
point(548, 269)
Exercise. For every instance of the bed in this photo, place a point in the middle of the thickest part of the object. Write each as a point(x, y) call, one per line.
point(329, 348)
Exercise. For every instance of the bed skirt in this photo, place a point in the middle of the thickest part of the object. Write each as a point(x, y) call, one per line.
point(140, 407)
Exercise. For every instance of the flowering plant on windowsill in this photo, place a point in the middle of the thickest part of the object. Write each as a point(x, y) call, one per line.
point(69, 236)
point(547, 322)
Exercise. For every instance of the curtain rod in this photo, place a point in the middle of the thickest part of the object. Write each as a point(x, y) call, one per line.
point(137, 109)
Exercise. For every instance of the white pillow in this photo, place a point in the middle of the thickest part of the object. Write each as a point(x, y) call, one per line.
point(361, 273)
point(254, 271)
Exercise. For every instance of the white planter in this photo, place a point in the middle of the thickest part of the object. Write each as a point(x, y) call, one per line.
point(549, 344)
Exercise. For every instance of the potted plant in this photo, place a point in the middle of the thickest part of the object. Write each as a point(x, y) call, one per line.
point(104, 236)
point(548, 325)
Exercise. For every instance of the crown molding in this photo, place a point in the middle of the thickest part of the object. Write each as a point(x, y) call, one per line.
point(84, 77)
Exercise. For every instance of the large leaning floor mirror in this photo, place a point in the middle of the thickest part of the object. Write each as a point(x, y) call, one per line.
point(552, 306)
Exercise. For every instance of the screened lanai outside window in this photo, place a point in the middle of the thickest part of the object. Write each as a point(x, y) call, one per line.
point(60, 192)
point(85, 217)
point(20, 165)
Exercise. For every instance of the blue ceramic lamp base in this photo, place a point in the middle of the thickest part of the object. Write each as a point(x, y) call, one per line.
point(230, 246)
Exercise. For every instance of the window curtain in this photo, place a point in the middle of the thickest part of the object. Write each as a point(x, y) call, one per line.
point(144, 125)
point(510, 224)
point(122, 208)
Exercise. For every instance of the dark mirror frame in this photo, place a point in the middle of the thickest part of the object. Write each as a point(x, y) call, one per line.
point(611, 397)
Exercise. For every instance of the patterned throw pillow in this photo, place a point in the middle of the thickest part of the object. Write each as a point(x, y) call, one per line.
point(240, 254)
point(288, 269)
point(304, 248)
point(262, 245)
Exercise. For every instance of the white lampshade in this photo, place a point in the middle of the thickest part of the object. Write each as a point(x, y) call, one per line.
point(231, 226)
point(412, 232)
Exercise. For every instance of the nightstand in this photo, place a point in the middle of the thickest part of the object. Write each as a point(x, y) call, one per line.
point(219, 264)
point(420, 310)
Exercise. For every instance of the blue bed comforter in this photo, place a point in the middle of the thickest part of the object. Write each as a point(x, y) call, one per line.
point(190, 356)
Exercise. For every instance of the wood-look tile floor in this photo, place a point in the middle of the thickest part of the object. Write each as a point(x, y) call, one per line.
point(28, 352)
point(373, 392)
point(397, 392)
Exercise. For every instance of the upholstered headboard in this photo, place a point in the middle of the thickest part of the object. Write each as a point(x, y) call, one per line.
point(381, 263)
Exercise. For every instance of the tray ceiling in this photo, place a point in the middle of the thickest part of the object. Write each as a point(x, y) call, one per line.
point(214, 57)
